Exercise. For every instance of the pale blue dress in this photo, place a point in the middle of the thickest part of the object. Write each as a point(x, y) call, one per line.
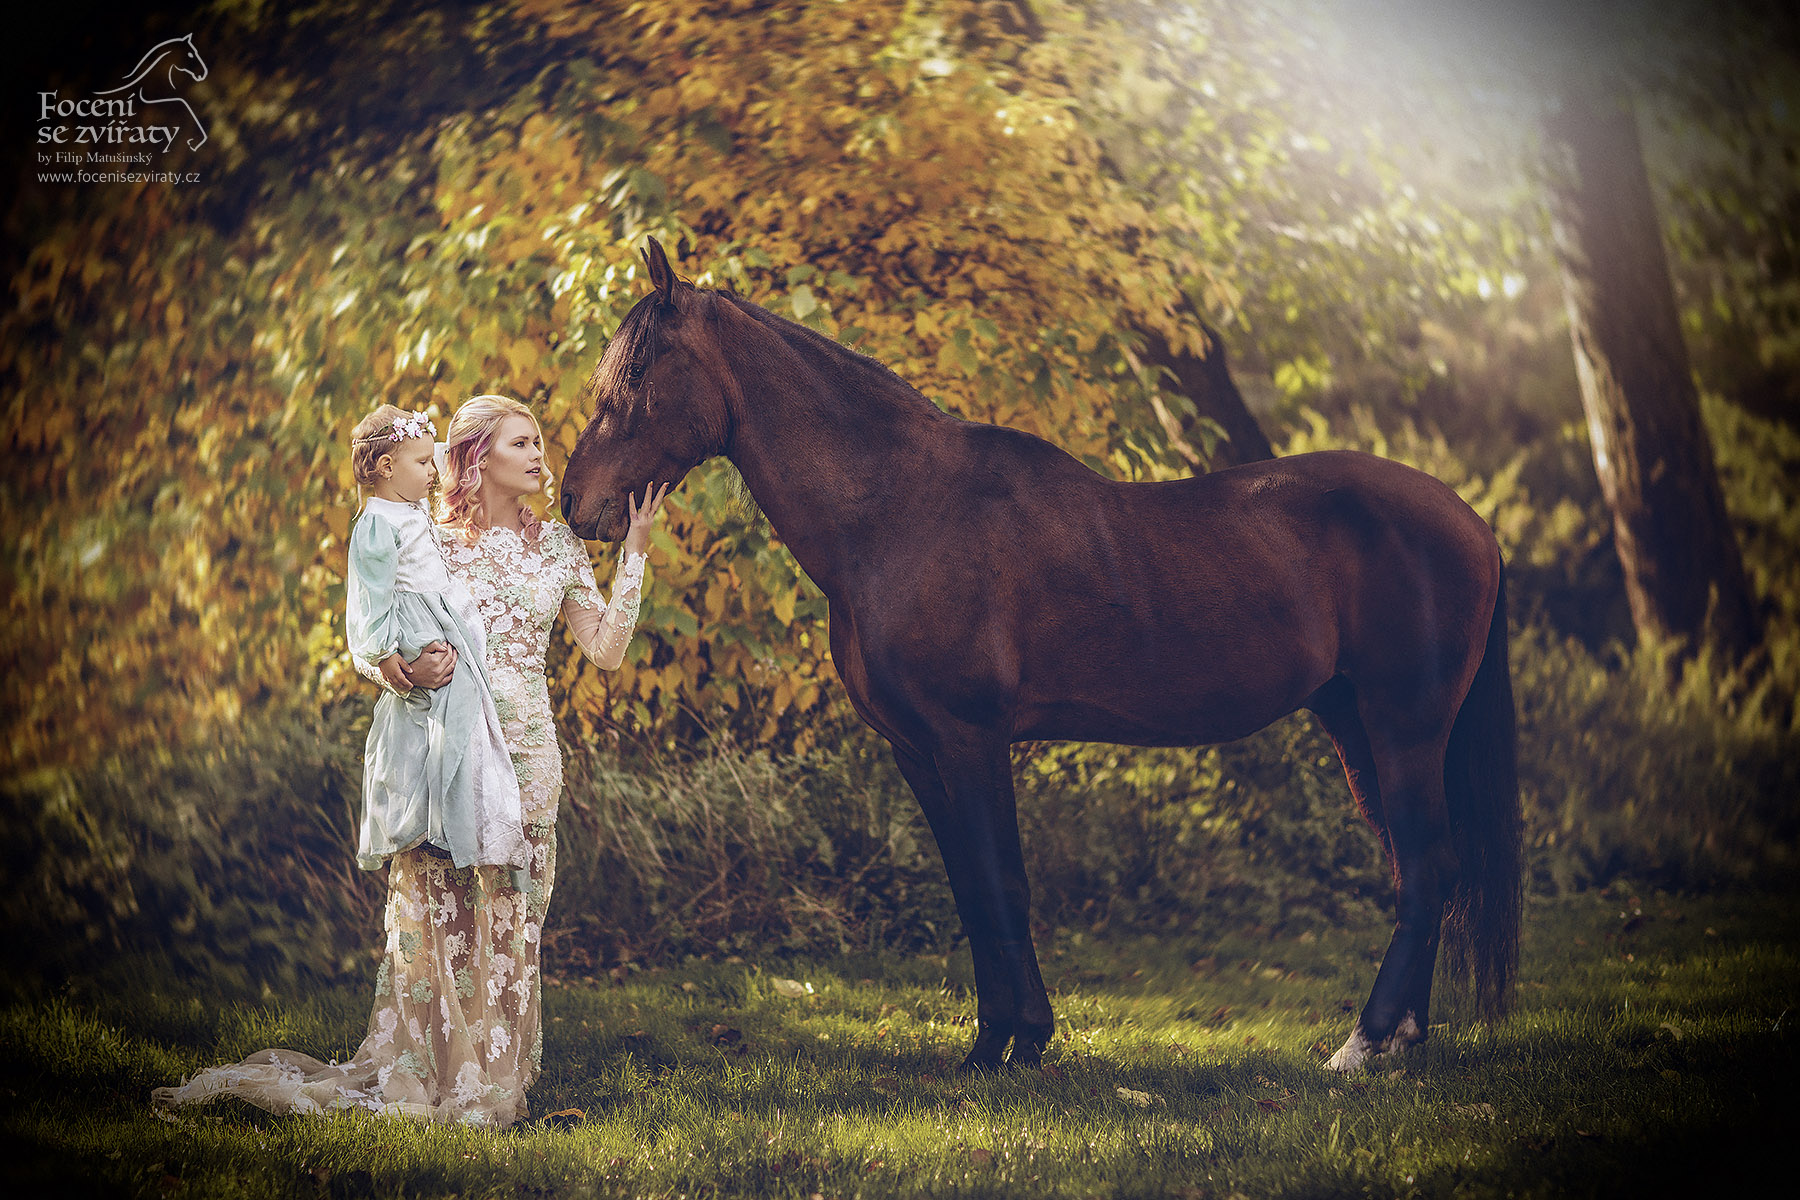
point(436, 769)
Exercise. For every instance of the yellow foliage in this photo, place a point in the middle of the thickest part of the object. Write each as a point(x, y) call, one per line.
point(183, 495)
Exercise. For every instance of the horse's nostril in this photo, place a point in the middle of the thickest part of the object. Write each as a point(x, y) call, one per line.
point(568, 505)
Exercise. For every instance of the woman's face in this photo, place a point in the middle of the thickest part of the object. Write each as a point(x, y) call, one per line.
point(515, 461)
point(414, 464)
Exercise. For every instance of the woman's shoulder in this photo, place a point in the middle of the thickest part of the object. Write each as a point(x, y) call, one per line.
point(559, 539)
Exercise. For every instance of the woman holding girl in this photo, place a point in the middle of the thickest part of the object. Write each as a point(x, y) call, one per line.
point(456, 1033)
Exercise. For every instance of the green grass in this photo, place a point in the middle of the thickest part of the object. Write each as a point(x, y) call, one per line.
point(1652, 1053)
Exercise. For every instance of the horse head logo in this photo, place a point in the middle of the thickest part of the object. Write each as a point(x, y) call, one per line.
point(154, 79)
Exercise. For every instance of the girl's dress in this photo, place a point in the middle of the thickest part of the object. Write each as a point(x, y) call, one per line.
point(456, 1034)
point(436, 769)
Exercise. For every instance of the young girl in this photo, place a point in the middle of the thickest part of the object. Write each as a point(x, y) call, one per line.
point(436, 770)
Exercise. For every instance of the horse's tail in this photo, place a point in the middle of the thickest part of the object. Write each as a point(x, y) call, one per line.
point(1481, 784)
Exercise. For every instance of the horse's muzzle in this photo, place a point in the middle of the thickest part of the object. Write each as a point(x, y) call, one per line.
point(590, 528)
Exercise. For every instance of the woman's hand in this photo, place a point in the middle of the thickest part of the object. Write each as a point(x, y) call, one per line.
point(393, 669)
point(637, 537)
point(434, 666)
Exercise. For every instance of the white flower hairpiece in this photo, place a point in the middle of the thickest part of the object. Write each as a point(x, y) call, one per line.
point(404, 428)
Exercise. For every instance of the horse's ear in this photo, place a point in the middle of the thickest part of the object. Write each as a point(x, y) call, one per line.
point(662, 277)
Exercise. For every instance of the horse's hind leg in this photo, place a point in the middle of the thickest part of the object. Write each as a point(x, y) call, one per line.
point(1335, 707)
point(1411, 783)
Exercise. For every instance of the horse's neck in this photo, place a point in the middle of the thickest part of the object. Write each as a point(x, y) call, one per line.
point(836, 452)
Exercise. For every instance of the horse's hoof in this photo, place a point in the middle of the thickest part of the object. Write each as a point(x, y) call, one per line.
point(974, 1065)
point(1359, 1050)
point(1025, 1055)
point(1353, 1055)
point(988, 1054)
point(1028, 1045)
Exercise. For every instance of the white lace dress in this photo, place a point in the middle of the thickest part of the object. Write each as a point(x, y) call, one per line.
point(455, 1033)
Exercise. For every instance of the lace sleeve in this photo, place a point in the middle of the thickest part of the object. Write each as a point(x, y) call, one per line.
point(603, 630)
point(372, 673)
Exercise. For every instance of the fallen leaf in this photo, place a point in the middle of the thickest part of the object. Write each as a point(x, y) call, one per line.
point(1271, 1106)
point(981, 1157)
point(725, 1035)
point(793, 989)
point(1140, 1099)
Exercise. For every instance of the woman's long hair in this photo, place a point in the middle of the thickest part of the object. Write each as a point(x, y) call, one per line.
point(471, 435)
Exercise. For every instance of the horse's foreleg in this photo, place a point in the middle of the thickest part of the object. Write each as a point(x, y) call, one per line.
point(1418, 831)
point(993, 1028)
point(967, 797)
point(978, 777)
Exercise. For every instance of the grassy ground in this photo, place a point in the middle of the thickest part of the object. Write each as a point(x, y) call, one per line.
point(1653, 1052)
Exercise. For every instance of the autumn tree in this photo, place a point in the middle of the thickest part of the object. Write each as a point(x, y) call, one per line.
point(412, 202)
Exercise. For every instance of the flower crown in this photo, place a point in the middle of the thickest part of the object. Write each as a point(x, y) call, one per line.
point(404, 428)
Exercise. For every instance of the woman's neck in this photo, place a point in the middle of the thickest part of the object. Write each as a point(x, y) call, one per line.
point(502, 511)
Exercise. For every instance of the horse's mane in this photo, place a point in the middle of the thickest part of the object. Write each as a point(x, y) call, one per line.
point(835, 358)
point(638, 335)
point(634, 340)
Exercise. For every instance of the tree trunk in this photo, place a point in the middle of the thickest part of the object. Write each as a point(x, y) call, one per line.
point(1207, 382)
point(1684, 575)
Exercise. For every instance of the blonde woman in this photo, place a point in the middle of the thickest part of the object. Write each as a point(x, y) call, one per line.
point(456, 1034)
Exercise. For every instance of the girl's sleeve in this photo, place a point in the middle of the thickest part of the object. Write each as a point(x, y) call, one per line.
point(369, 593)
point(602, 630)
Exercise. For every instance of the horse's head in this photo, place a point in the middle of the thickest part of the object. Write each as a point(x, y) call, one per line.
point(188, 60)
point(658, 398)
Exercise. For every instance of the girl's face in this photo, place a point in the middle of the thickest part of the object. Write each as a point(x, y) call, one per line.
point(515, 462)
point(414, 469)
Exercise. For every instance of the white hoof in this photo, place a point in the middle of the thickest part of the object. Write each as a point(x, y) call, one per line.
point(1353, 1055)
point(1356, 1053)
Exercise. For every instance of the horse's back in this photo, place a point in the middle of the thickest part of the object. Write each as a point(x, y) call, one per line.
point(1204, 608)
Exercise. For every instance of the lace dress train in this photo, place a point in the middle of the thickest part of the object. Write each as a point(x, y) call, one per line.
point(455, 1034)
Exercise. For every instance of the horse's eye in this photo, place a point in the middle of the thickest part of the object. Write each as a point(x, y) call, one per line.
point(635, 372)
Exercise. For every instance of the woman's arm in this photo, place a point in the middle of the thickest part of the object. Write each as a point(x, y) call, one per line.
point(603, 630)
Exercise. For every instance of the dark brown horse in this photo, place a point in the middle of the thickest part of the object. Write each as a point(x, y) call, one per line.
point(986, 588)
